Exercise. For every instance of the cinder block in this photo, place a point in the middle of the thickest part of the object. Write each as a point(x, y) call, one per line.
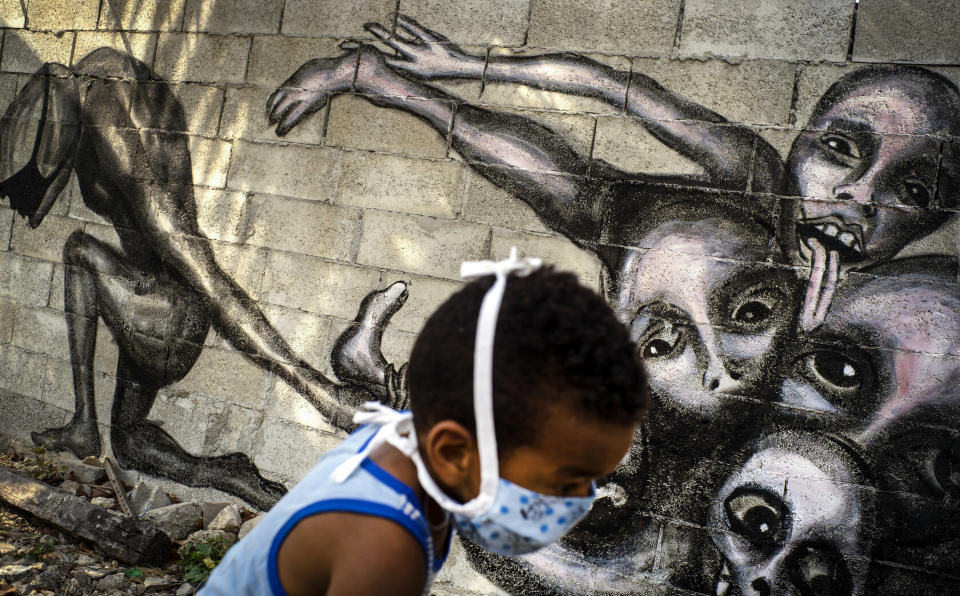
point(8, 315)
point(307, 227)
point(645, 27)
point(425, 295)
point(26, 51)
point(201, 107)
point(396, 183)
point(11, 14)
point(26, 281)
point(244, 117)
point(209, 161)
point(752, 91)
point(136, 15)
point(900, 30)
point(420, 244)
point(780, 138)
point(290, 449)
point(510, 94)
point(8, 87)
point(315, 285)
point(230, 428)
point(323, 19)
point(288, 405)
point(225, 375)
point(786, 29)
point(473, 21)
point(6, 227)
point(290, 170)
point(486, 204)
point(273, 58)
point(22, 414)
point(58, 388)
point(186, 416)
point(56, 288)
point(41, 330)
point(106, 353)
point(626, 144)
point(397, 345)
point(79, 210)
point(245, 264)
point(553, 250)
point(21, 372)
point(220, 213)
point(813, 81)
point(139, 45)
point(56, 15)
point(355, 122)
point(305, 332)
point(201, 58)
point(243, 16)
point(45, 241)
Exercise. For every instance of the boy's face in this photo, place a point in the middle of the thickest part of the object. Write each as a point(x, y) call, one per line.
point(571, 452)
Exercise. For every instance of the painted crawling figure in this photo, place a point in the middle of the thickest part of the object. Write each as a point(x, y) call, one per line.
point(123, 133)
point(524, 389)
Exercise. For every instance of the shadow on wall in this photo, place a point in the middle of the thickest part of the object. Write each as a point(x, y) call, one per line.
point(806, 438)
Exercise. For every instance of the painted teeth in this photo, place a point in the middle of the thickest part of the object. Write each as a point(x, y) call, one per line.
point(830, 230)
point(847, 238)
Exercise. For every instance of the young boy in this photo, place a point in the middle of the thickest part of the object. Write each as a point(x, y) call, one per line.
point(524, 389)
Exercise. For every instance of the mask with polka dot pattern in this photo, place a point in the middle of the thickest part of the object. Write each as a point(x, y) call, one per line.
point(521, 521)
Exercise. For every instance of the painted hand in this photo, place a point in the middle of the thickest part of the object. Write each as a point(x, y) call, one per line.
point(429, 54)
point(309, 89)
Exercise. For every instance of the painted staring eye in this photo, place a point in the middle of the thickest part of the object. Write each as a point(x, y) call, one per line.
point(841, 144)
point(946, 471)
point(752, 312)
point(667, 342)
point(834, 369)
point(915, 193)
point(756, 515)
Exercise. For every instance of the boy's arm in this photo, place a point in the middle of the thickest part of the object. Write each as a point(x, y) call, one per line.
point(345, 554)
point(725, 150)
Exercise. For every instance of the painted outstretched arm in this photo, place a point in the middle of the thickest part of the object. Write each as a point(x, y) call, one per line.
point(725, 150)
point(528, 160)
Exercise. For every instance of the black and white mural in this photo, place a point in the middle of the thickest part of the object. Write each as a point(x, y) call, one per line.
point(797, 314)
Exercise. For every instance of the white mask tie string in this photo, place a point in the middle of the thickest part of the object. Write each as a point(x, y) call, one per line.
point(396, 428)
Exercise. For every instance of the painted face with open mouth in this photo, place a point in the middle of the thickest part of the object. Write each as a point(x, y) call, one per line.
point(866, 168)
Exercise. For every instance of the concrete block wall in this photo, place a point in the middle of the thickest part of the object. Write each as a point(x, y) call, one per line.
point(686, 157)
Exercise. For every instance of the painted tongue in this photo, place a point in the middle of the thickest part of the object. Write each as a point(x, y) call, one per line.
point(824, 270)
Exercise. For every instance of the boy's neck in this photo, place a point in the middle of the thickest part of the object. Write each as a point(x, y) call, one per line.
point(403, 469)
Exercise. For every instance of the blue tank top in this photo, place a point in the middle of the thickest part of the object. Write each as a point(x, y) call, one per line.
point(250, 566)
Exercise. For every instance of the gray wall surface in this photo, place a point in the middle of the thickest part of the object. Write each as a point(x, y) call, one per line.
point(224, 221)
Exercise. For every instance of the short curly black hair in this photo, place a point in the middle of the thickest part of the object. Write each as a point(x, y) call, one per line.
point(555, 340)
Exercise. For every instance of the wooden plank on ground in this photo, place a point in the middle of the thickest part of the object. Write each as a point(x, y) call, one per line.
point(117, 484)
point(131, 540)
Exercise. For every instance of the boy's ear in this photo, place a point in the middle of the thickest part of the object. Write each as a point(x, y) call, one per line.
point(454, 459)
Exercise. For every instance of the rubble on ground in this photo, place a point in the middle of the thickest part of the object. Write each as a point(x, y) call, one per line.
point(39, 559)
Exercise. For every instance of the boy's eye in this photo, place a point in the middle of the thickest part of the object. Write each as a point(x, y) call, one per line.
point(915, 193)
point(841, 145)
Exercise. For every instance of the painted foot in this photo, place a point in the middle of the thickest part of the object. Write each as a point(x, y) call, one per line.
point(235, 474)
point(79, 438)
point(356, 356)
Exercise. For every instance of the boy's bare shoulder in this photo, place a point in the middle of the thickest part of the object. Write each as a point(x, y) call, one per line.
point(351, 553)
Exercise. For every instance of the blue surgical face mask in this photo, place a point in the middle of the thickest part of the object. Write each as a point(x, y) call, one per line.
point(522, 521)
point(504, 518)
